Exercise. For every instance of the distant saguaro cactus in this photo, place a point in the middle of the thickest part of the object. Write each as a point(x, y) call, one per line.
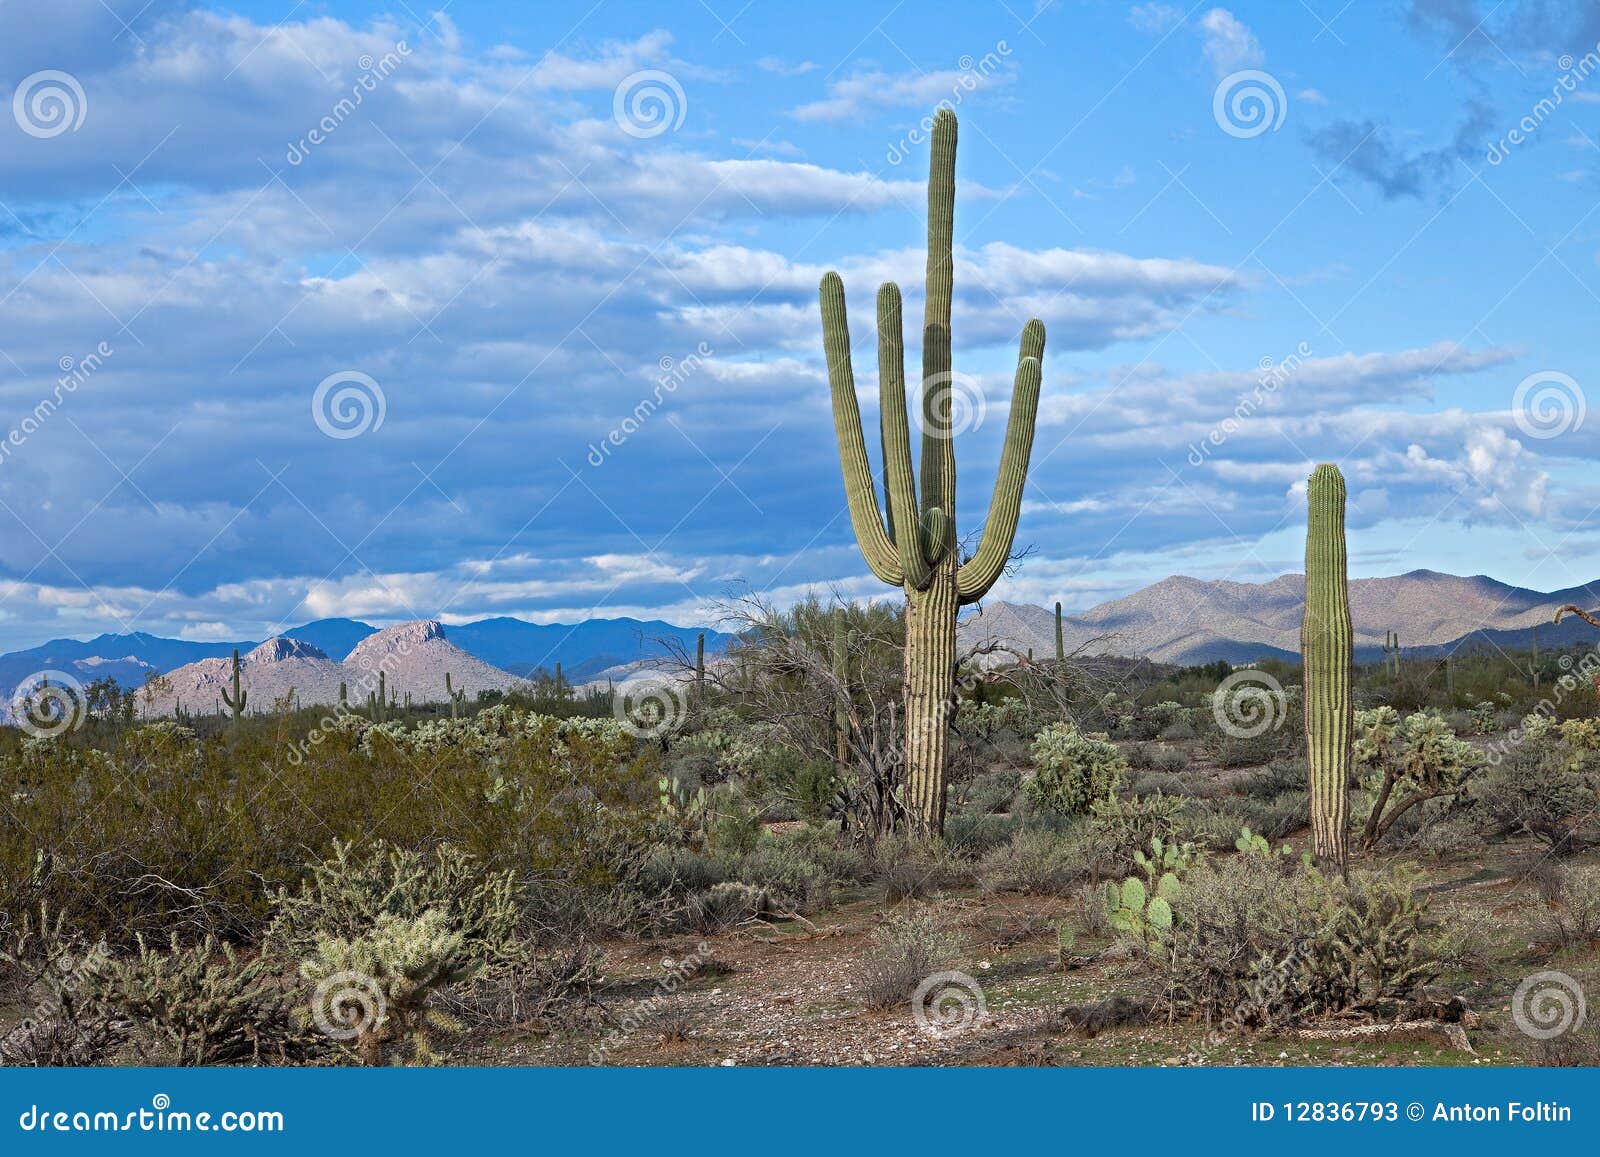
point(1325, 642)
point(913, 544)
point(456, 697)
point(1061, 650)
point(236, 701)
point(700, 667)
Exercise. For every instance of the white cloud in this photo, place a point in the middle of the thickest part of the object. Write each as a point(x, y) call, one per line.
point(1228, 43)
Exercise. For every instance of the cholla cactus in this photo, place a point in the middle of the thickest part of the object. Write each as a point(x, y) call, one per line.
point(376, 987)
point(1424, 759)
point(913, 543)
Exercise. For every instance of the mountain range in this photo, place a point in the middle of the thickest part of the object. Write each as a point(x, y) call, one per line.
point(1187, 621)
point(513, 647)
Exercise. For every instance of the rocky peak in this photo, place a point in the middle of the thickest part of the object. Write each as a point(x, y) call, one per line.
point(277, 649)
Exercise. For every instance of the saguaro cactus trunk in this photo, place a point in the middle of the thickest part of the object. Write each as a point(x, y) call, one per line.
point(1325, 641)
point(913, 543)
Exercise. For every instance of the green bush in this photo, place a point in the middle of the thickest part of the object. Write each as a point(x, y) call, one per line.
point(903, 951)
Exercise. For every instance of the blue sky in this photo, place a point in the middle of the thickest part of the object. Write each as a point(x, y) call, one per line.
point(499, 244)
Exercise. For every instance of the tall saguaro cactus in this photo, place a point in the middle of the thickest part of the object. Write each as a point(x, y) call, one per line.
point(913, 543)
point(1325, 639)
point(240, 696)
point(1061, 650)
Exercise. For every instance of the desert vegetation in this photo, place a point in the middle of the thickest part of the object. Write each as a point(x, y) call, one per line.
point(841, 841)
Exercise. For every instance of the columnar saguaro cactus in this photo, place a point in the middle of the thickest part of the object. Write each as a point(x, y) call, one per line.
point(700, 667)
point(1325, 639)
point(1061, 651)
point(1533, 668)
point(913, 543)
point(456, 697)
point(240, 696)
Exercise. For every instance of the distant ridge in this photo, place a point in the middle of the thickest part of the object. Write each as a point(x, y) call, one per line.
point(1187, 620)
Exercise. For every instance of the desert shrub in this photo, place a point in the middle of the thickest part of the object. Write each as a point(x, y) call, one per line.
point(675, 870)
point(1446, 836)
point(1534, 789)
point(899, 955)
point(990, 792)
point(724, 906)
point(1119, 827)
point(155, 836)
point(802, 869)
point(973, 835)
point(1256, 943)
point(1573, 919)
point(203, 1005)
point(1074, 771)
point(1177, 731)
point(373, 989)
point(1034, 861)
point(1275, 778)
point(1274, 818)
point(346, 896)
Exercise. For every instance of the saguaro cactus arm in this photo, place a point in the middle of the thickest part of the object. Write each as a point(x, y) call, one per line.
point(899, 482)
point(980, 572)
point(859, 489)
